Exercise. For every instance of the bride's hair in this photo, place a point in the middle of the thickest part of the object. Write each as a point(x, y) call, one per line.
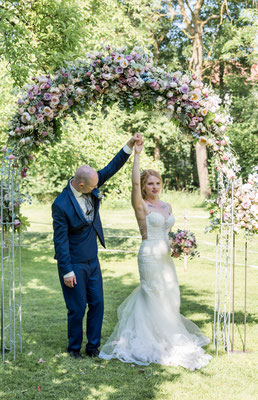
point(145, 175)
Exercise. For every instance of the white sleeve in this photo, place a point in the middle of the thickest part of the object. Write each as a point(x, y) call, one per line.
point(127, 149)
point(69, 274)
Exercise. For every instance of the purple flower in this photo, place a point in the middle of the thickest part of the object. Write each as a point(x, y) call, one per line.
point(47, 96)
point(131, 72)
point(154, 85)
point(131, 81)
point(119, 70)
point(137, 56)
point(129, 57)
point(184, 88)
point(20, 102)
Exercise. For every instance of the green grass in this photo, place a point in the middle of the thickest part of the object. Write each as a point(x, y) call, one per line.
point(44, 320)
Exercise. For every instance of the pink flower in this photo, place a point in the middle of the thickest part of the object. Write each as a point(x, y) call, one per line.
point(44, 133)
point(136, 95)
point(55, 100)
point(11, 157)
point(16, 223)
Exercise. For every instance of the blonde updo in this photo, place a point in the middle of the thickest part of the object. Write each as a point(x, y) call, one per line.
point(145, 175)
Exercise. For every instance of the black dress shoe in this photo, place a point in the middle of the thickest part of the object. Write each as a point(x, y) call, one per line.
point(75, 354)
point(92, 353)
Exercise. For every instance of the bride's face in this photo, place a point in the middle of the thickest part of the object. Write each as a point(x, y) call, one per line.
point(152, 187)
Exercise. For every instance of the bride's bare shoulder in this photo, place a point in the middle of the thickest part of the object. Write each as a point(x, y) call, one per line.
point(166, 205)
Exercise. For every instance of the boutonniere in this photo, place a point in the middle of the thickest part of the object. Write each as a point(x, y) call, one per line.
point(100, 196)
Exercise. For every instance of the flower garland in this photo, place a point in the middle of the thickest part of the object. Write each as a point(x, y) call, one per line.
point(134, 82)
point(245, 206)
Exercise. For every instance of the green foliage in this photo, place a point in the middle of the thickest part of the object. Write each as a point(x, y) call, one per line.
point(87, 141)
point(37, 36)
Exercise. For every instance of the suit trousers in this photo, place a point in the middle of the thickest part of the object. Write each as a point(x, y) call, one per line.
point(88, 291)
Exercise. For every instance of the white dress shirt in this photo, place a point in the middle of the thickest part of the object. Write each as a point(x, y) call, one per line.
point(82, 203)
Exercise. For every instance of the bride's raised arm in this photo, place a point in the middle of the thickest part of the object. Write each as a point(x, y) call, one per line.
point(137, 200)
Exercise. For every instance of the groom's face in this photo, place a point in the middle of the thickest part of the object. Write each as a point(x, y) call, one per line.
point(90, 184)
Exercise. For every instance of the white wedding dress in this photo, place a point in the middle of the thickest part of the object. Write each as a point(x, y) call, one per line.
point(150, 328)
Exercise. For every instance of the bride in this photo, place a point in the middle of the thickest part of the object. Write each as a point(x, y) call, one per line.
point(150, 328)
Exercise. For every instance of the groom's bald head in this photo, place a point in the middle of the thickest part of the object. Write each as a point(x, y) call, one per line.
point(85, 179)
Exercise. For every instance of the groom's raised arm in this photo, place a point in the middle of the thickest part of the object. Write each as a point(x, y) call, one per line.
point(118, 161)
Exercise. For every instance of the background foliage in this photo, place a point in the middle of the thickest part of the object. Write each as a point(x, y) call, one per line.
point(40, 36)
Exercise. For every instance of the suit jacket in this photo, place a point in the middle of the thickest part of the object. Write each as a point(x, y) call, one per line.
point(75, 238)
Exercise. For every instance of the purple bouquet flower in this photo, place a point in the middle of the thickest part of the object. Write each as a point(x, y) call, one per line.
point(183, 243)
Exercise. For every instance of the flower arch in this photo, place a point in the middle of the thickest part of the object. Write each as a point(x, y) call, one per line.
point(131, 79)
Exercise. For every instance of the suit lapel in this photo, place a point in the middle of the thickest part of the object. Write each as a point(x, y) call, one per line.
point(96, 201)
point(76, 204)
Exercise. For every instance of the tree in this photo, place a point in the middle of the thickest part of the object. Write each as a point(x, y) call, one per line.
point(39, 35)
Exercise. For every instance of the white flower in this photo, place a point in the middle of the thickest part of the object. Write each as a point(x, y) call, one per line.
point(202, 140)
point(173, 84)
point(204, 111)
point(118, 58)
point(42, 79)
point(48, 112)
point(177, 74)
point(124, 63)
point(54, 90)
point(79, 91)
point(25, 118)
point(195, 95)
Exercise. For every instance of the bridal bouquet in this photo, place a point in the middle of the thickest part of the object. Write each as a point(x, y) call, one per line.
point(183, 243)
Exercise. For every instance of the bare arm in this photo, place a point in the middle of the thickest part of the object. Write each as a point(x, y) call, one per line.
point(137, 200)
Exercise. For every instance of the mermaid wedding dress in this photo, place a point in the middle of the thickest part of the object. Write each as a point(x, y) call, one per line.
point(150, 328)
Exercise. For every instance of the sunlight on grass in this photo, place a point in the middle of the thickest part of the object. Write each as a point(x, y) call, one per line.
point(103, 392)
point(35, 284)
point(230, 377)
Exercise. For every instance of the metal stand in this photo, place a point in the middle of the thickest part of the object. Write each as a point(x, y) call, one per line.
point(223, 278)
point(11, 329)
point(245, 295)
point(233, 302)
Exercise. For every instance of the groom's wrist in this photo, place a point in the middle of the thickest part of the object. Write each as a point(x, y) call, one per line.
point(127, 149)
point(68, 275)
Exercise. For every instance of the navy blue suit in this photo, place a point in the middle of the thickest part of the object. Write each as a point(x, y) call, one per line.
point(76, 249)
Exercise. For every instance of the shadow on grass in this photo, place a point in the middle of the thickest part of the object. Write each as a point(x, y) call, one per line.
point(45, 337)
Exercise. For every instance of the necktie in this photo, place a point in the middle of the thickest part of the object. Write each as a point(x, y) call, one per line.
point(89, 206)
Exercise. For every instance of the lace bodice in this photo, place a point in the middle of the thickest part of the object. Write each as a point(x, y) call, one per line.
point(158, 226)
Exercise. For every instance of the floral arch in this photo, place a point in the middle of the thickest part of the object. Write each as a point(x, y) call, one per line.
point(131, 79)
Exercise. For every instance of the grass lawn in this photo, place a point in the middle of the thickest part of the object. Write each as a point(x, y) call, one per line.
point(44, 319)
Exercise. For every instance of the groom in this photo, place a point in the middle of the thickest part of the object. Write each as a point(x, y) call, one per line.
point(77, 225)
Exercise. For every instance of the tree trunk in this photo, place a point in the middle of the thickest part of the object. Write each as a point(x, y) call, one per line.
point(196, 59)
point(202, 168)
point(156, 149)
point(201, 151)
